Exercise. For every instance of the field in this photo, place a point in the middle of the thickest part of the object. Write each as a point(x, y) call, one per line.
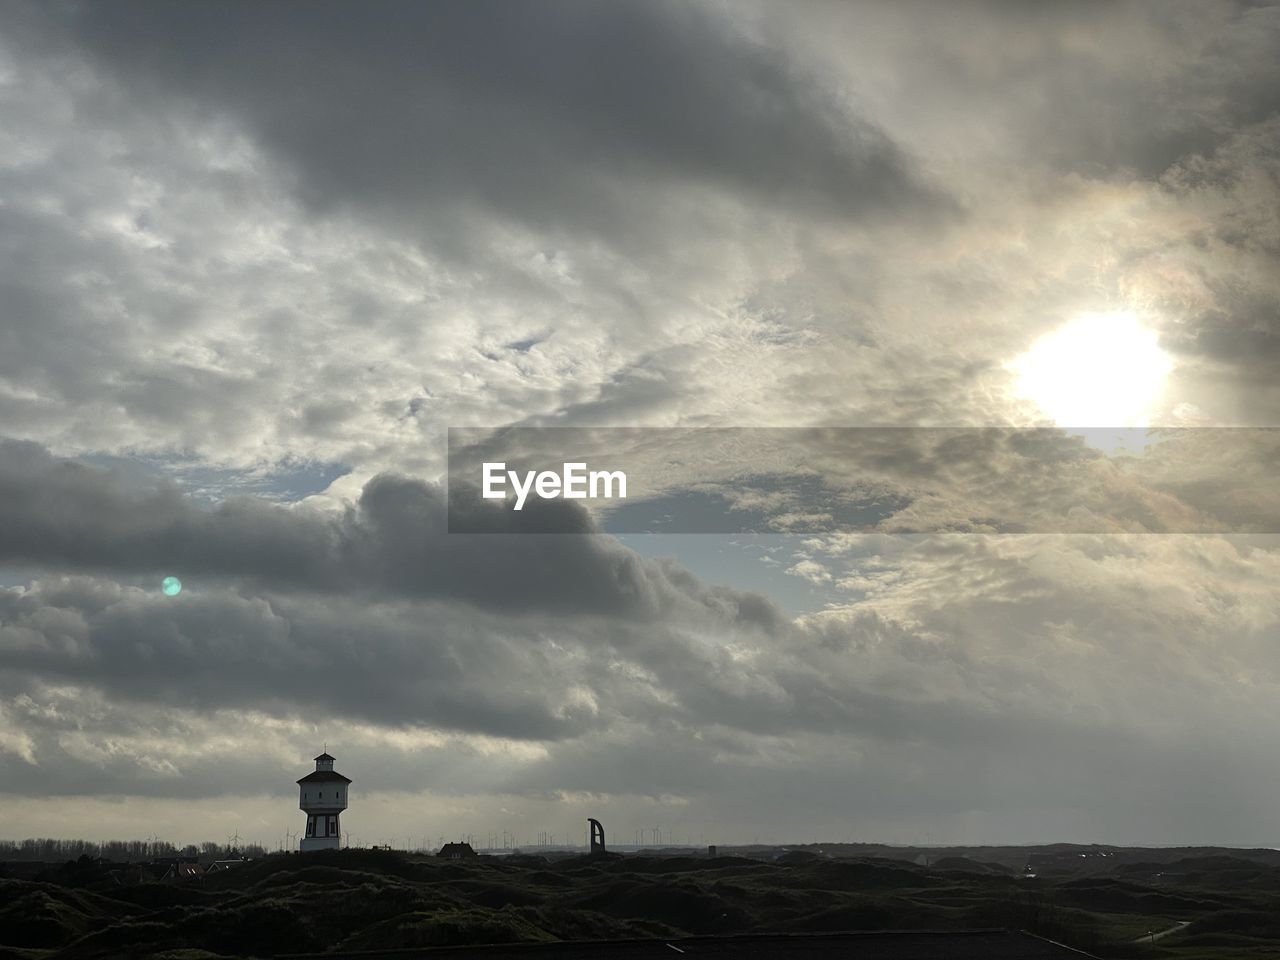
point(1096, 898)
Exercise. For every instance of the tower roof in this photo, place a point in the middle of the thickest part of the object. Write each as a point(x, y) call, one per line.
point(320, 776)
point(325, 756)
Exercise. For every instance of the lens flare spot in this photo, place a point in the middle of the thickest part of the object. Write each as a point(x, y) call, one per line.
point(171, 586)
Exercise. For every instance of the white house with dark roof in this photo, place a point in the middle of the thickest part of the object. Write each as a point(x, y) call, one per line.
point(322, 796)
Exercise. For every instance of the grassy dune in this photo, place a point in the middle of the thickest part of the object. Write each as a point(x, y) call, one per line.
point(360, 900)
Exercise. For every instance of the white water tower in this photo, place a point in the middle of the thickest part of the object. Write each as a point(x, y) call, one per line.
point(322, 796)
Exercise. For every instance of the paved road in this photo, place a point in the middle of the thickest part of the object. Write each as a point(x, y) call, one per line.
point(1160, 934)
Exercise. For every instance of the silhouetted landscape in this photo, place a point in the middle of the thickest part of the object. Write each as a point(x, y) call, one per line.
point(1098, 899)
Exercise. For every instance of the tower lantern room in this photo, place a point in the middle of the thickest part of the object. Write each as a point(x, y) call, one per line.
point(322, 796)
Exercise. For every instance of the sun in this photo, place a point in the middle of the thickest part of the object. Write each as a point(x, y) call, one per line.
point(1100, 370)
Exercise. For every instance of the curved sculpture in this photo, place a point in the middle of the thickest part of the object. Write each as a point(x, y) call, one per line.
point(597, 836)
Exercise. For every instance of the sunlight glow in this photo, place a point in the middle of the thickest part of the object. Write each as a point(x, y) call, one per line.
point(1100, 370)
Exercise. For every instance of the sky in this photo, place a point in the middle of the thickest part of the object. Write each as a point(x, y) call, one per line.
point(257, 260)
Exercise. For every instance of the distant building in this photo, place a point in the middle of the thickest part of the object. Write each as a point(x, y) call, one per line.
point(456, 851)
point(322, 796)
point(219, 865)
point(183, 870)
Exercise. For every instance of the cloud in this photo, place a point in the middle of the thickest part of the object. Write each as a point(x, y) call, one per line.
point(392, 543)
point(563, 115)
point(952, 656)
point(1045, 480)
point(240, 241)
point(648, 227)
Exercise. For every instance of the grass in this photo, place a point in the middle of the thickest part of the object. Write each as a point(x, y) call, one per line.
point(367, 900)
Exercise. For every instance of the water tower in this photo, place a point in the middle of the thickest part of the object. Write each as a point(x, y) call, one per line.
point(322, 796)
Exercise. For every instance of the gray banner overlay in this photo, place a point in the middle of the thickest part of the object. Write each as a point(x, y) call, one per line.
point(899, 480)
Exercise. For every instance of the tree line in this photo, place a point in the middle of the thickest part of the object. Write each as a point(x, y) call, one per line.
point(50, 850)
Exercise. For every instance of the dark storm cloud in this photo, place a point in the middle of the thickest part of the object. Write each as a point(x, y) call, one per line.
point(434, 665)
point(557, 115)
point(375, 613)
point(63, 514)
point(426, 665)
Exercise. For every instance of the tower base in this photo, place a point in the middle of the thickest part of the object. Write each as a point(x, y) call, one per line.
point(319, 843)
